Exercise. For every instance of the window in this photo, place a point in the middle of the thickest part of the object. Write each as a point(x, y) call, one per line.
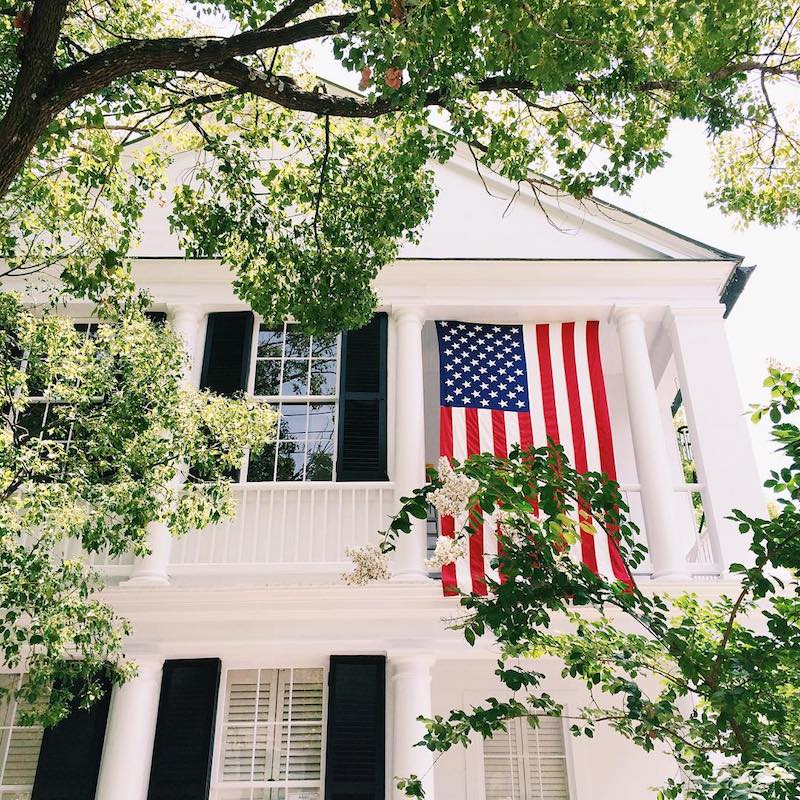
point(46, 418)
point(526, 763)
point(272, 735)
point(298, 376)
point(19, 748)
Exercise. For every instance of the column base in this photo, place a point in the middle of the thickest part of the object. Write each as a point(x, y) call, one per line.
point(411, 576)
point(147, 579)
point(676, 576)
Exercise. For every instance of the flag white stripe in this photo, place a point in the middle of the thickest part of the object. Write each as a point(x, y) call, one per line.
point(463, 577)
point(534, 386)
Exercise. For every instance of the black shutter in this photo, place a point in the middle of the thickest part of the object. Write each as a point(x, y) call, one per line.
point(184, 741)
point(226, 362)
point(362, 404)
point(156, 317)
point(69, 760)
point(354, 765)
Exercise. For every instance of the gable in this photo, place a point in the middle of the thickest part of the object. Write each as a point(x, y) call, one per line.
point(476, 217)
point(481, 216)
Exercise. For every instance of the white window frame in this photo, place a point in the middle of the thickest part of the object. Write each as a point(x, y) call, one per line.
point(9, 730)
point(218, 786)
point(48, 402)
point(474, 755)
point(279, 400)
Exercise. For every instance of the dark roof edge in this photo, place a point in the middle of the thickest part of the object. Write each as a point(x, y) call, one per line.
point(734, 286)
point(724, 254)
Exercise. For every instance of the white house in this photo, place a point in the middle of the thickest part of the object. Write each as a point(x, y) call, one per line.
point(261, 675)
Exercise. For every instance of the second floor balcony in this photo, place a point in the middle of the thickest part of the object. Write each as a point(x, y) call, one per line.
point(359, 420)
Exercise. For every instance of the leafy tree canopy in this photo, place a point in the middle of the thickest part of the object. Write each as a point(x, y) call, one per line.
point(97, 430)
point(714, 682)
point(307, 190)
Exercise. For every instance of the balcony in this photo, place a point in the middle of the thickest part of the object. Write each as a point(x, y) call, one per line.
point(298, 532)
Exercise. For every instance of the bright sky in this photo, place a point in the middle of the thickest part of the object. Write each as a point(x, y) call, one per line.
point(766, 320)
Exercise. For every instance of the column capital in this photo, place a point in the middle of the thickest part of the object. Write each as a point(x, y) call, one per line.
point(145, 658)
point(405, 661)
point(714, 313)
point(624, 315)
point(185, 313)
point(409, 313)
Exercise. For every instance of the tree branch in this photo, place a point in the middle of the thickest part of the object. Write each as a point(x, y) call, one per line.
point(290, 12)
point(171, 53)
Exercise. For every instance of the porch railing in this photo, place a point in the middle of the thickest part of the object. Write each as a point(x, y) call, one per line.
point(288, 527)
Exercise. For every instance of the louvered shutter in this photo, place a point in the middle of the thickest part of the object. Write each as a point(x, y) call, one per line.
point(362, 403)
point(502, 765)
point(527, 763)
point(546, 759)
point(226, 360)
point(272, 727)
point(20, 744)
point(354, 766)
point(184, 739)
point(69, 759)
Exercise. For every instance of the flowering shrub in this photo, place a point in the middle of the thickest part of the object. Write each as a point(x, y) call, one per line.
point(369, 564)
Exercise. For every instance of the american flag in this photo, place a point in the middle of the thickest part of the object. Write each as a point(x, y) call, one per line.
point(508, 384)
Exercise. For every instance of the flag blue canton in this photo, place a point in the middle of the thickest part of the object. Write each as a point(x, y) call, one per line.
point(482, 366)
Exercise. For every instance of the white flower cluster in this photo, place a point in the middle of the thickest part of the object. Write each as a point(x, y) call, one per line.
point(369, 564)
point(452, 498)
point(448, 550)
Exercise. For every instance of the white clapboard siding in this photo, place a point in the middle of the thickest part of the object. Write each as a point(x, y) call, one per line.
point(272, 731)
point(19, 747)
point(527, 763)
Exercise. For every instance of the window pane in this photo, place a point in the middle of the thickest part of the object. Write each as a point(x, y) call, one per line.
point(323, 377)
point(268, 376)
point(270, 342)
point(321, 418)
point(295, 377)
point(320, 464)
point(324, 346)
point(297, 343)
point(293, 421)
point(291, 459)
point(32, 419)
point(262, 465)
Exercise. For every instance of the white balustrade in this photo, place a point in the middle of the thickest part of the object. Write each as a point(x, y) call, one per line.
point(102, 561)
point(700, 560)
point(289, 528)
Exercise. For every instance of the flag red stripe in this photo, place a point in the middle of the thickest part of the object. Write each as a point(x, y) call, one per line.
point(447, 525)
point(525, 430)
point(588, 554)
point(548, 390)
point(499, 433)
point(604, 438)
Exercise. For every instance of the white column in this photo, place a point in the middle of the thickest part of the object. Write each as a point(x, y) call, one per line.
point(128, 744)
point(153, 569)
point(667, 551)
point(721, 446)
point(409, 466)
point(411, 695)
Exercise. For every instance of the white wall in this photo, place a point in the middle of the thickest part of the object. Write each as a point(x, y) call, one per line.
point(607, 766)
